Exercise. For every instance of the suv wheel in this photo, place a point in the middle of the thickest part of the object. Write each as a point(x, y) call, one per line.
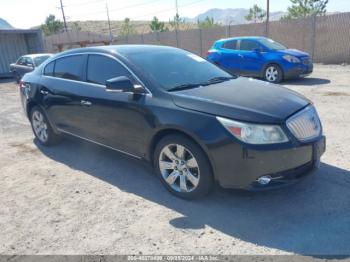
point(273, 74)
point(42, 128)
point(183, 167)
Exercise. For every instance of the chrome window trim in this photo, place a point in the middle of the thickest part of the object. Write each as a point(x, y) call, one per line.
point(98, 143)
point(99, 85)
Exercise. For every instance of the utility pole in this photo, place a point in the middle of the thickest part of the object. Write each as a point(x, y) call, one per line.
point(64, 17)
point(267, 17)
point(177, 23)
point(109, 24)
point(177, 15)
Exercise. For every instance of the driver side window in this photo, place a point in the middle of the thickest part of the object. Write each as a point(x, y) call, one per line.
point(249, 45)
point(21, 61)
point(101, 68)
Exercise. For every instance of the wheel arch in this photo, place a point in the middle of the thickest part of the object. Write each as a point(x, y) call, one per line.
point(172, 131)
point(262, 73)
point(30, 105)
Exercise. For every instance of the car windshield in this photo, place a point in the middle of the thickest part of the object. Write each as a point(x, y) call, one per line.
point(177, 69)
point(270, 44)
point(39, 59)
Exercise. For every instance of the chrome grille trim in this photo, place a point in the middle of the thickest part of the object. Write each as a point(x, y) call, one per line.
point(305, 125)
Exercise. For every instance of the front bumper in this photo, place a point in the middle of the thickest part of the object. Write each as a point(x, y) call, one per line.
point(299, 70)
point(239, 167)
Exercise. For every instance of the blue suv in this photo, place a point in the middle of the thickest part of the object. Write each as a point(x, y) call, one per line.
point(260, 57)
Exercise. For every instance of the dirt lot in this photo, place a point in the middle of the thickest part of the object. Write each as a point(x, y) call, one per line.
point(78, 198)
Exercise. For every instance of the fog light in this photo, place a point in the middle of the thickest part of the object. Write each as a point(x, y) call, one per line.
point(264, 180)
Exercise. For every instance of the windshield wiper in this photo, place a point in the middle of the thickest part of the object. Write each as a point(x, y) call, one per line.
point(211, 81)
point(183, 87)
point(218, 79)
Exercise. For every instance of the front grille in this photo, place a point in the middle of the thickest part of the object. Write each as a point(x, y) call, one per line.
point(305, 125)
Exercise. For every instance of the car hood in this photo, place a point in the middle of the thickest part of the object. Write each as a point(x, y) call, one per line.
point(294, 52)
point(243, 99)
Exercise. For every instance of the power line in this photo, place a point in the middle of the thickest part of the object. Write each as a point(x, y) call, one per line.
point(122, 8)
point(167, 10)
point(85, 3)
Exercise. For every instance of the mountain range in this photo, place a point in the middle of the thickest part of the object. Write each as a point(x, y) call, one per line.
point(230, 15)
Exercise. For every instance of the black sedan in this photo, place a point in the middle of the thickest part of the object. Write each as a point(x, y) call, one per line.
point(27, 63)
point(194, 122)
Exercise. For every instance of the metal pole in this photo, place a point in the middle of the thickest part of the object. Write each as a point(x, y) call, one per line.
point(64, 17)
point(201, 41)
point(177, 15)
point(313, 36)
point(267, 17)
point(109, 24)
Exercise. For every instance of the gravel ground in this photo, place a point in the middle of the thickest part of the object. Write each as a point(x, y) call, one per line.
point(77, 198)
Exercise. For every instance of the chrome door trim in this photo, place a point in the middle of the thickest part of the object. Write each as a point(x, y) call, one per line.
point(96, 53)
point(98, 143)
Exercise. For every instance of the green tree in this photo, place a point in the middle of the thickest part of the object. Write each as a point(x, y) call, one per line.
point(256, 14)
point(127, 28)
point(304, 8)
point(157, 26)
point(208, 22)
point(181, 22)
point(52, 25)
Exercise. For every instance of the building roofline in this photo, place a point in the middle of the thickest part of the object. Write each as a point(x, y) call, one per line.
point(23, 31)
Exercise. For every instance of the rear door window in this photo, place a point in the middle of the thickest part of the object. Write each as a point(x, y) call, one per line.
point(101, 68)
point(70, 67)
point(249, 45)
point(48, 70)
point(230, 45)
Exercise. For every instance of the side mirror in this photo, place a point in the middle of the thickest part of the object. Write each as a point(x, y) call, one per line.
point(123, 84)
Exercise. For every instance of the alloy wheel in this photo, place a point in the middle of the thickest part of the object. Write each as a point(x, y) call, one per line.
point(40, 126)
point(179, 168)
point(271, 74)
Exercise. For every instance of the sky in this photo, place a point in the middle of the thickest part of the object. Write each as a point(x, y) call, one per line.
point(28, 13)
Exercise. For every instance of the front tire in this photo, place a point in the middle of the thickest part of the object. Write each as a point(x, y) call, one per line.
point(183, 167)
point(42, 128)
point(273, 73)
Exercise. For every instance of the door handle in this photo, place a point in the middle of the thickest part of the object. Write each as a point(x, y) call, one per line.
point(85, 103)
point(240, 55)
point(44, 92)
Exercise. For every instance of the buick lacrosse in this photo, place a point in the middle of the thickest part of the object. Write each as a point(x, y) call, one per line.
point(195, 123)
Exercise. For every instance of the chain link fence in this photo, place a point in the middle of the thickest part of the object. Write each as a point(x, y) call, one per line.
point(325, 38)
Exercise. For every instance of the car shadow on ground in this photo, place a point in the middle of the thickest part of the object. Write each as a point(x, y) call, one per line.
point(309, 218)
point(306, 81)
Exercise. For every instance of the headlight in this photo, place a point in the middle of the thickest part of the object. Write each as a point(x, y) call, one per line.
point(291, 59)
point(253, 133)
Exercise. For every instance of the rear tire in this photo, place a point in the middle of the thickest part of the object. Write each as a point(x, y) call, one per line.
point(273, 73)
point(41, 127)
point(183, 167)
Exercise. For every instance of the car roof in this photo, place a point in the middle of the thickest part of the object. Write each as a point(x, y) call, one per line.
point(120, 49)
point(37, 55)
point(240, 38)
